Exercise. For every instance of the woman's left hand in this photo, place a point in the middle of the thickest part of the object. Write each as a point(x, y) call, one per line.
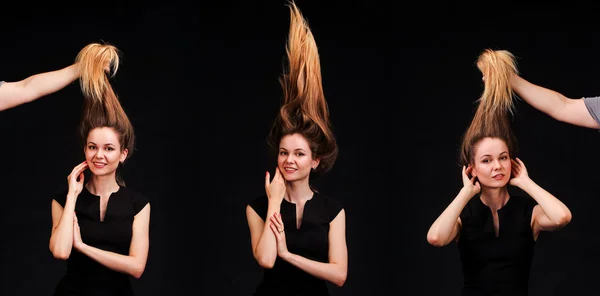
point(77, 242)
point(276, 224)
point(519, 173)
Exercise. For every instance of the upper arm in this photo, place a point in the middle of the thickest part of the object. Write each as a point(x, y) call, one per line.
point(575, 112)
point(140, 230)
point(57, 211)
point(256, 226)
point(338, 252)
point(456, 230)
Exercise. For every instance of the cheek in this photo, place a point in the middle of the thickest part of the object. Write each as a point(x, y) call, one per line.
point(307, 163)
point(280, 160)
point(479, 169)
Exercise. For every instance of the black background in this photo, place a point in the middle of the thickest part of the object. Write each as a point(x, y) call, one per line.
point(199, 82)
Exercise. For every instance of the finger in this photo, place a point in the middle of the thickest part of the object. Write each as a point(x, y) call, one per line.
point(81, 177)
point(83, 167)
point(278, 174)
point(267, 180)
point(276, 222)
point(274, 229)
point(279, 220)
point(79, 168)
point(468, 170)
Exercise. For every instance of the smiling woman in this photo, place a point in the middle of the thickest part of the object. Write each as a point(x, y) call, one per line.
point(100, 227)
point(299, 235)
point(495, 232)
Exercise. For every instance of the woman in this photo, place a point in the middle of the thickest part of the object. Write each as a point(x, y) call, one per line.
point(298, 235)
point(496, 232)
point(100, 226)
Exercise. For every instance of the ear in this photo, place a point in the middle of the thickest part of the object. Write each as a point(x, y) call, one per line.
point(472, 171)
point(123, 155)
point(315, 163)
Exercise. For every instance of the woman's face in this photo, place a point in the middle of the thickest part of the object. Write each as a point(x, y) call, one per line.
point(491, 163)
point(295, 159)
point(103, 151)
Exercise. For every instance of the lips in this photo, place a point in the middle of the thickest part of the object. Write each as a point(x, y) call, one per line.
point(289, 169)
point(99, 164)
point(498, 177)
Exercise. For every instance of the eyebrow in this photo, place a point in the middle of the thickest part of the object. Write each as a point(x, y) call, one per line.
point(297, 149)
point(107, 144)
point(487, 155)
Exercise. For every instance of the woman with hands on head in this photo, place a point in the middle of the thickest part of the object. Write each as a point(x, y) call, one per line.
point(298, 235)
point(496, 232)
point(101, 227)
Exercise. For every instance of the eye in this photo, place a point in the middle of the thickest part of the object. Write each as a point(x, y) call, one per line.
point(300, 154)
point(91, 147)
point(282, 153)
point(110, 148)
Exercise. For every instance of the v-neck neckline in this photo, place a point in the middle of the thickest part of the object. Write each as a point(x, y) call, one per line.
point(98, 198)
point(498, 213)
point(295, 207)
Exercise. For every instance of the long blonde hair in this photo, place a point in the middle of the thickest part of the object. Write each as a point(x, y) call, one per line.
point(101, 107)
point(304, 109)
point(496, 105)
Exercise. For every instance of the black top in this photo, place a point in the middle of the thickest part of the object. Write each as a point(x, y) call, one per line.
point(311, 241)
point(496, 265)
point(84, 275)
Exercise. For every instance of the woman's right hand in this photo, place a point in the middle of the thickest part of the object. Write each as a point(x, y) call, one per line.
point(470, 183)
point(76, 178)
point(276, 188)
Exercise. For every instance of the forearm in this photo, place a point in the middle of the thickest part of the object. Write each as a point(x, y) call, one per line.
point(266, 249)
point(49, 82)
point(61, 240)
point(554, 209)
point(121, 263)
point(331, 272)
point(543, 99)
point(441, 231)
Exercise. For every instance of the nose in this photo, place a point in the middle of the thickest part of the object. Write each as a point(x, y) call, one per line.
point(99, 154)
point(497, 165)
point(289, 159)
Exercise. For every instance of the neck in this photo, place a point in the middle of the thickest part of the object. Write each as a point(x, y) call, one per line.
point(494, 198)
point(103, 185)
point(298, 191)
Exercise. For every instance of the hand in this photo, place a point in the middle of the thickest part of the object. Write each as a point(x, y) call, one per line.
point(276, 188)
point(470, 183)
point(77, 242)
point(76, 177)
point(278, 229)
point(519, 173)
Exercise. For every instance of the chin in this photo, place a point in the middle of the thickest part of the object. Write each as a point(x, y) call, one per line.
point(294, 178)
point(101, 172)
point(495, 184)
